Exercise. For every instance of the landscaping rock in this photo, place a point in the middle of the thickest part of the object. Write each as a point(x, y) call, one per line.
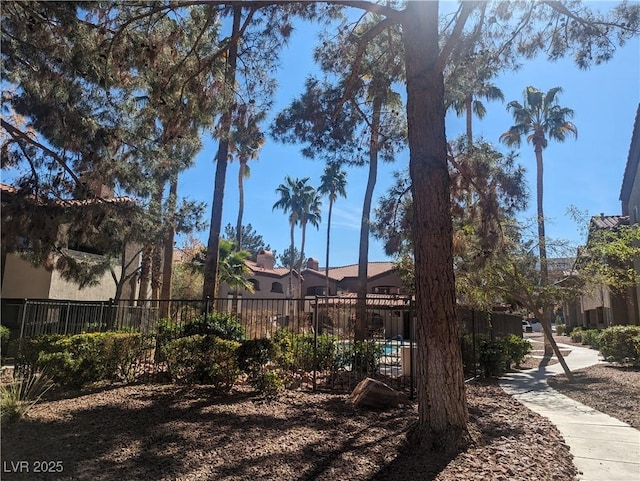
point(373, 394)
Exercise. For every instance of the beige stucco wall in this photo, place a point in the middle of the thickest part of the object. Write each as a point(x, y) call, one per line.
point(104, 290)
point(22, 280)
point(596, 296)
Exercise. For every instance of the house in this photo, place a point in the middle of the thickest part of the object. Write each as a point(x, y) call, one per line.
point(269, 282)
point(630, 199)
point(381, 279)
point(21, 279)
point(600, 306)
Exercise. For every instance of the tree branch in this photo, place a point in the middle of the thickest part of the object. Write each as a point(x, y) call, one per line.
point(19, 134)
point(362, 45)
point(465, 10)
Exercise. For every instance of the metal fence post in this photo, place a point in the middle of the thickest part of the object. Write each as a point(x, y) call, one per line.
point(24, 315)
point(315, 342)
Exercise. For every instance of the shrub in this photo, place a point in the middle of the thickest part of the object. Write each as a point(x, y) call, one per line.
point(268, 383)
point(363, 357)
point(4, 339)
point(218, 324)
point(560, 329)
point(469, 354)
point(203, 360)
point(254, 357)
point(621, 344)
point(516, 349)
point(18, 397)
point(576, 334)
point(85, 358)
point(591, 337)
point(299, 351)
point(492, 357)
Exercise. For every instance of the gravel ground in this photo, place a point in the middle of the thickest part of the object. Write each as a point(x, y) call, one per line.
point(168, 432)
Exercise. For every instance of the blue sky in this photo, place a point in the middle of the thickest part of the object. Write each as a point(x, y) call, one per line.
point(586, 173)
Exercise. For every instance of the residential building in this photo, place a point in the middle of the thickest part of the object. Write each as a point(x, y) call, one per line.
point(630, 199)
point(21, 279)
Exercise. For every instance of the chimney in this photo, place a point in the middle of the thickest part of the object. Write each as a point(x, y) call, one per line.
point(312, 263)
point(265, 259)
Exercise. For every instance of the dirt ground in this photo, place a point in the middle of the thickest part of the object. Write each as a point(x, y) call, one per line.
point(164, 432)
point(170, 432)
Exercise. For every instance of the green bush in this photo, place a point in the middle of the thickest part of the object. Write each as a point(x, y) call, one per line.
point(516, 349)
point(254, 358)
point(591, 337)
point(268, 383)
point(492, 357)
point(85, 358)
point(298, 352)
point(469, 354)
point(560, 329)
point(203, 360)
point(218, 324)
point(4, 339)
point(363, 357)
point(576, 334)
point(621, 344)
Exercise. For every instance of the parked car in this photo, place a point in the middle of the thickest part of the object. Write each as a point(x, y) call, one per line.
point(526, 326)
point(535, 324)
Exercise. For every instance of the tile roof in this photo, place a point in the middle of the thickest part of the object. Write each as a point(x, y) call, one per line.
point(609, 221)
point(11, 190)
point(374, 269)
point(373, 300)
point(276, 271)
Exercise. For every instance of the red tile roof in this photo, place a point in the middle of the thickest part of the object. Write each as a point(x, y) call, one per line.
point(276, 271)
point(374, 269)
point(11, 190)
point(609, 221)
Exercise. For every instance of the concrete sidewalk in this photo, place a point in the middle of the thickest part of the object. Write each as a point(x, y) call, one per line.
point(603, 448)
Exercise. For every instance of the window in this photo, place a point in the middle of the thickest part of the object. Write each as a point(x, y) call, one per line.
point(276, 287)
point(386, 290)
point(316, 291)
point(256, 284)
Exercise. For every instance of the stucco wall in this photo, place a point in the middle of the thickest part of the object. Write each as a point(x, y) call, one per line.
point(22, 280)
point(104, 290)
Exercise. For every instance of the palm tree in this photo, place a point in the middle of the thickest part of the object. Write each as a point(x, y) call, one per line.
point(539, 118)
point(246, 141)
point(232, 268)
point(310, 214)
point(332, 183)
point(470, 103)
point(295, 198)
point(467, 83)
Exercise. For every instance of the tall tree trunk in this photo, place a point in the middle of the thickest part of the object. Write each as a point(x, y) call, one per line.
point(468, 105)
point(300, 263)
point(442, 408)
point(542, 246)
point(326, 264)
point(167, 269)
point(241, 175)
point(365, 223)
point(210, 287)
point(292, 259)
point(145, 273)
point(156, 257)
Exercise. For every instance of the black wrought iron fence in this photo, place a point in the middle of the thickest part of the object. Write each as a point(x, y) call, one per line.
point(319, 332)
